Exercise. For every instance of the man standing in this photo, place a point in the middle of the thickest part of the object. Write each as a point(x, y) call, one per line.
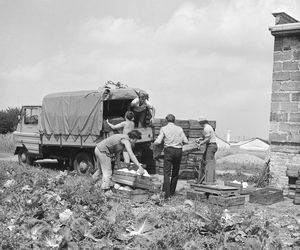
point(140, 107)
point(210, 150)
point(173, 138)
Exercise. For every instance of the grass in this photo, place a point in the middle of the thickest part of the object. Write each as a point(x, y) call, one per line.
point(7, 143)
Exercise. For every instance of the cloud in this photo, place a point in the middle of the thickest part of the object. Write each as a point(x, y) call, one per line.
point(24, 73)
point(209, 57)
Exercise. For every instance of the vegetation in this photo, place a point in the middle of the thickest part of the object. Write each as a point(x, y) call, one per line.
point(9, 120)
point(46, 209)
point(7, 143)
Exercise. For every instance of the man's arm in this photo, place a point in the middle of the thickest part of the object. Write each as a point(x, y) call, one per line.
point(207, 136)
point(127, 145)
point(151, 109)
point(134, 102)
point(159, 138)
point(184, 139)
point(119, 125)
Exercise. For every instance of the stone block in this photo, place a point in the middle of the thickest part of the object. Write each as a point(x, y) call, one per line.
point(275, 107)
point(294, 137)
point(277, 66)
point(289, 107)
point(290, 66)
point(278, 137)
point(281, 76)
point(294, 117)
point(278, 43)
point(280, 97)
point(291, 42)
point(295, 76)
point(293, 129)
point(284, 127)
point(290, 86)
point(295, 97)
point(279, 117)
point(276, 86)
point(274, 127)
point(296, 55)
point(283, 56)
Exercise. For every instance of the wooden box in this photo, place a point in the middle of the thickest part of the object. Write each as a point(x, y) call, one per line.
point(232, 184)
point(266, 196)
point(129, 179)
point(227, 202)
point(220, 190)
point(137, 195)
point(196, 195)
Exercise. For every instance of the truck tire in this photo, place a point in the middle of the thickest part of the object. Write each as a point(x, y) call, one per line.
point(83, 163)
point(24, 158)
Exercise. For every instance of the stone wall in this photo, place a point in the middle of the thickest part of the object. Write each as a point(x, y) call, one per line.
point(285, 108)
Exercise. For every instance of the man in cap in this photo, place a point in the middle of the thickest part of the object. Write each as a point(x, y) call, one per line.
point(210, 147)
point(173, 138)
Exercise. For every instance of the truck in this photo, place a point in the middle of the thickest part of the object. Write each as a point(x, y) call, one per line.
point(68, 125)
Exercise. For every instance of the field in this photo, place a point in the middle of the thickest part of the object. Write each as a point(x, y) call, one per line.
point(45, 208)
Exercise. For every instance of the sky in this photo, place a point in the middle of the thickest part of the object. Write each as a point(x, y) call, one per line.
point(208, 58)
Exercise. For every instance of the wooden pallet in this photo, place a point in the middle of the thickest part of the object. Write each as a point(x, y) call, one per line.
point(266, 196)
point(220, 190)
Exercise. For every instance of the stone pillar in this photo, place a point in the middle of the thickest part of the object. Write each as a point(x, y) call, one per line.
point(284, 134)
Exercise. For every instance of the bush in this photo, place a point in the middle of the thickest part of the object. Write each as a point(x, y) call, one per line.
point(9, 120)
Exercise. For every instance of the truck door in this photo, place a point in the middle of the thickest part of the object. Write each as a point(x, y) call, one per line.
point(31, 119)
point(27, 135)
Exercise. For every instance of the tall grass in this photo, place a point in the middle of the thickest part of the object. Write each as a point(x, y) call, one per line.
point(7, 143)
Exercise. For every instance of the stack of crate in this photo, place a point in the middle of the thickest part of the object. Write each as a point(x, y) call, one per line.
point(191, 159)
point(297, 190)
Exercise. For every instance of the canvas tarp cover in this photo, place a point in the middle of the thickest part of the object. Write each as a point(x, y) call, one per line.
point(80, 112)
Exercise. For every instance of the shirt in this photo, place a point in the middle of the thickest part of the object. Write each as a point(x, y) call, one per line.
point(172, 135)
point(112, 144)
point(209, 132)
point(137, 107)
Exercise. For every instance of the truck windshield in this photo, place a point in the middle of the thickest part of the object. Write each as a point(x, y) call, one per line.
point(31, 115)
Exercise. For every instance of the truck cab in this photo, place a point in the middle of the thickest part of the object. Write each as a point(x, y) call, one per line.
point(27, 134)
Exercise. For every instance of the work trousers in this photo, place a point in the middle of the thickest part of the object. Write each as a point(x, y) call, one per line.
point(104, 163)
point(139, 118)
point(172, 159)
point(208, 156)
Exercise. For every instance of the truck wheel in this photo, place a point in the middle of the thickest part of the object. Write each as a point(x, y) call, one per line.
point(24, 158)
point(83, 164)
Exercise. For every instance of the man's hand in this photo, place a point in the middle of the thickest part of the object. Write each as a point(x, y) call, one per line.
point(140, 170)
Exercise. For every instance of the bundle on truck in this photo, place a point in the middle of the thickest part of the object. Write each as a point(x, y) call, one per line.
point(68, 126)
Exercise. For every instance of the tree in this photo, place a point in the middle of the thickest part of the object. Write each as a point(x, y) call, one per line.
point(9, 120)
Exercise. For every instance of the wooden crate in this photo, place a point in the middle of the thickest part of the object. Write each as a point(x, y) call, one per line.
point(136, 181)
point(137, 195)
point(227, 202)
point(220, 190)
point(232, 184)
point(266, 196)
point(196, 195)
